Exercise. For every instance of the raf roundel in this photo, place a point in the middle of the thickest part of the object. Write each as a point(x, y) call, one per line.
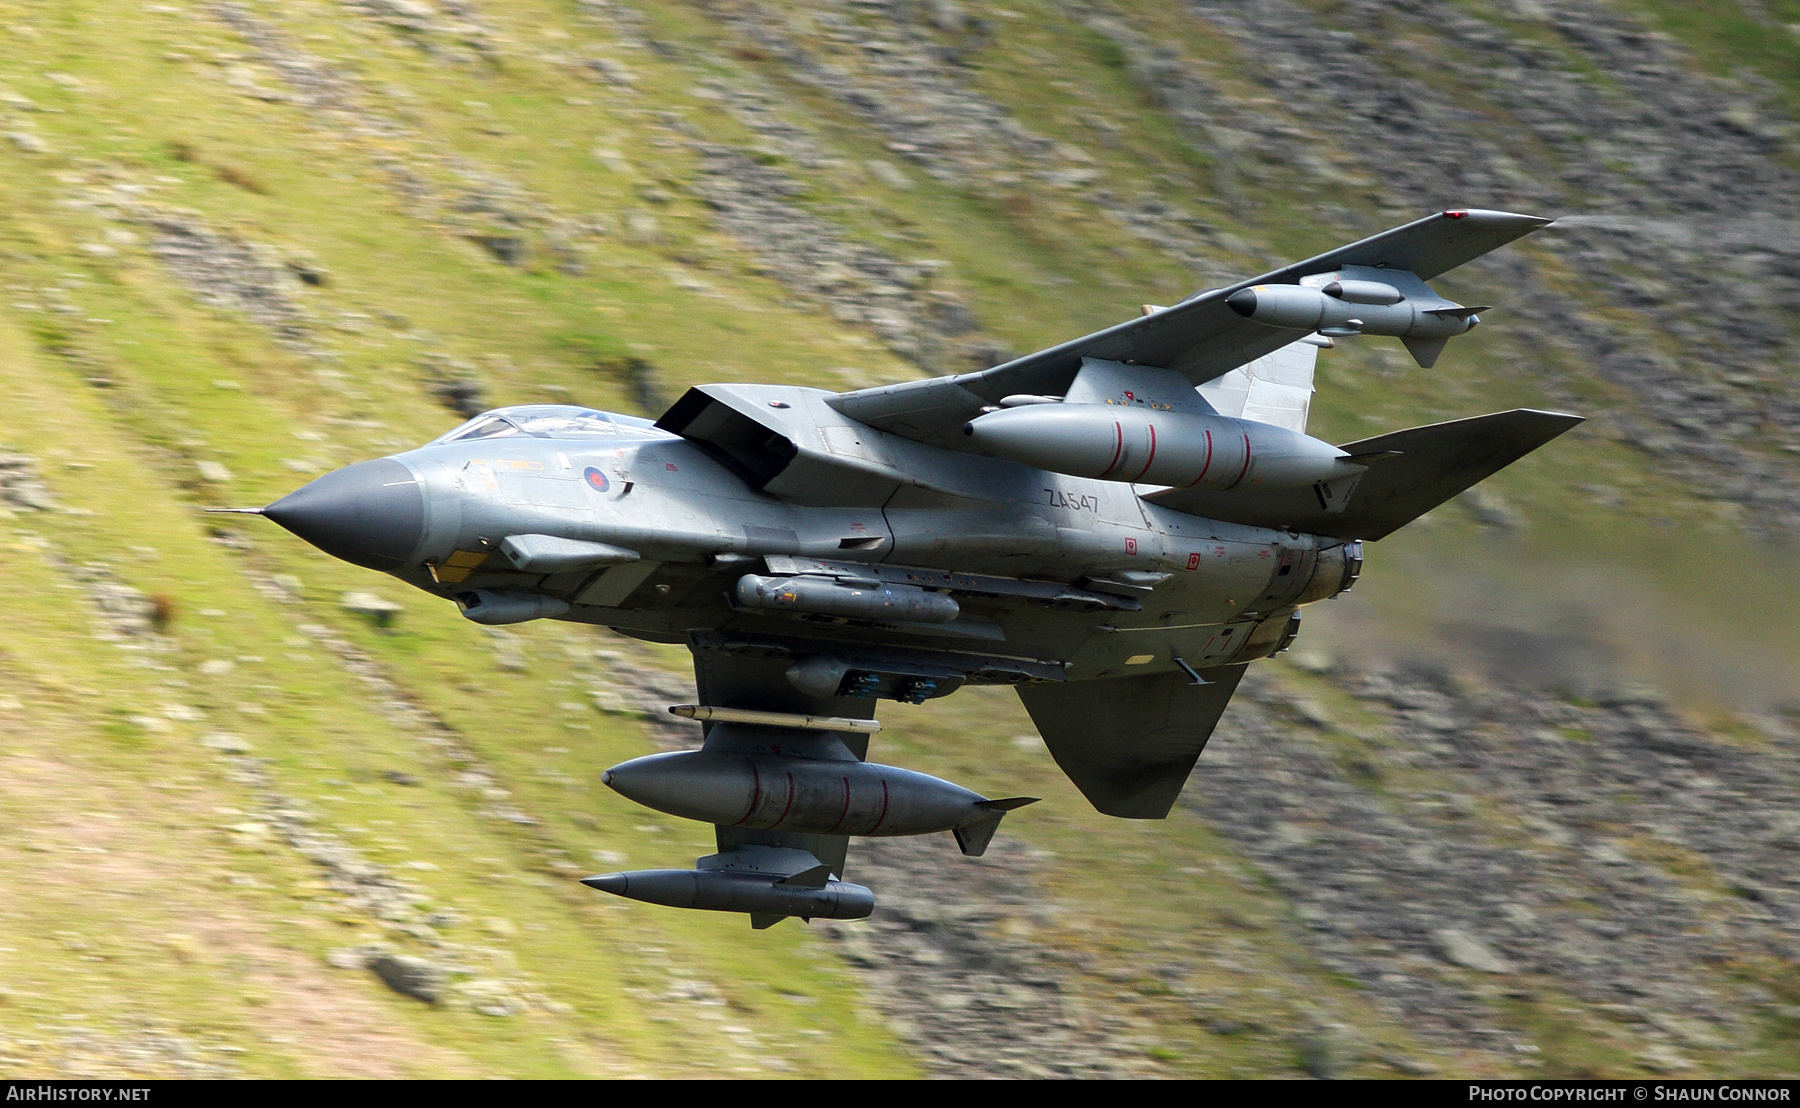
point(596, 480)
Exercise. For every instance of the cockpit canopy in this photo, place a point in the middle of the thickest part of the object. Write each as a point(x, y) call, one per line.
point(548, 421)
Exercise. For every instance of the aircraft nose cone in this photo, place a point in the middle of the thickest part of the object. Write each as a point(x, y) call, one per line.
point(607, 882)
point(371, 514)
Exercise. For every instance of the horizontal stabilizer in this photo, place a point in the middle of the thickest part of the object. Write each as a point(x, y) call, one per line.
point(1129, 743)
point(1007, 804)
point(973, 838)
point(1426, 466)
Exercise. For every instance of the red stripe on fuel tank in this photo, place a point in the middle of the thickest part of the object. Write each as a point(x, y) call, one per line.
point(845, 814)
point(755, 794)
point(1152, 456)
point(884, 807)
point(1118, 447)
point(788, 807)
point(1208, 464)
point(1243, 472)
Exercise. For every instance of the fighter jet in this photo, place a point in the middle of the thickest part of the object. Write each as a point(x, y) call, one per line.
point(1116, 527)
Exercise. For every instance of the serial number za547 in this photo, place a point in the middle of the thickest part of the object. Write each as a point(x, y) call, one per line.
point(1079, 502)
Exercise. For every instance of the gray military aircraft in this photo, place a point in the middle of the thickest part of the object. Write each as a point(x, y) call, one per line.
point(1116, 526)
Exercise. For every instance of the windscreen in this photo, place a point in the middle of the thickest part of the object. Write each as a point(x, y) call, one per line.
point(481, 427)
point(548, 421)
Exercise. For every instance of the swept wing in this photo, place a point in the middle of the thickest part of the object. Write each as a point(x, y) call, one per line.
point(1201, 337)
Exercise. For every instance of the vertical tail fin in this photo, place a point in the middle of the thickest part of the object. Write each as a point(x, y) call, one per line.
point(1275, 388)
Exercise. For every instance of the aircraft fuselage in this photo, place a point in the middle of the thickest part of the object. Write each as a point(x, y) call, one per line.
point(1204, 592)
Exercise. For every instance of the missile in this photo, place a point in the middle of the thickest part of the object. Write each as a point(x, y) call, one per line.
point(852, 598)
point(770, 792)
point(760, 894)
point(1146, 446)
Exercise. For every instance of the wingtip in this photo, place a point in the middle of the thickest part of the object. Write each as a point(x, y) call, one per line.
point(1491, 216)
point(1571, 417)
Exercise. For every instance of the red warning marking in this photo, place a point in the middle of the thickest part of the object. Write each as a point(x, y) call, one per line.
point(1194, 560)
point(1131, 546)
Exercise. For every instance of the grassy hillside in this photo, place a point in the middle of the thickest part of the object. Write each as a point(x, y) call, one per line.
point(245, 243)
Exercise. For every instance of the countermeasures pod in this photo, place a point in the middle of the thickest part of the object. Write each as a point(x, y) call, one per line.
point(774, 792)
point(1352, 307)
point(725, 890)
point(1148, 446)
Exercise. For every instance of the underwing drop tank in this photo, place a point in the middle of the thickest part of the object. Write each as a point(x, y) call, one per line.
point(1146, 446)
point(809, 795)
